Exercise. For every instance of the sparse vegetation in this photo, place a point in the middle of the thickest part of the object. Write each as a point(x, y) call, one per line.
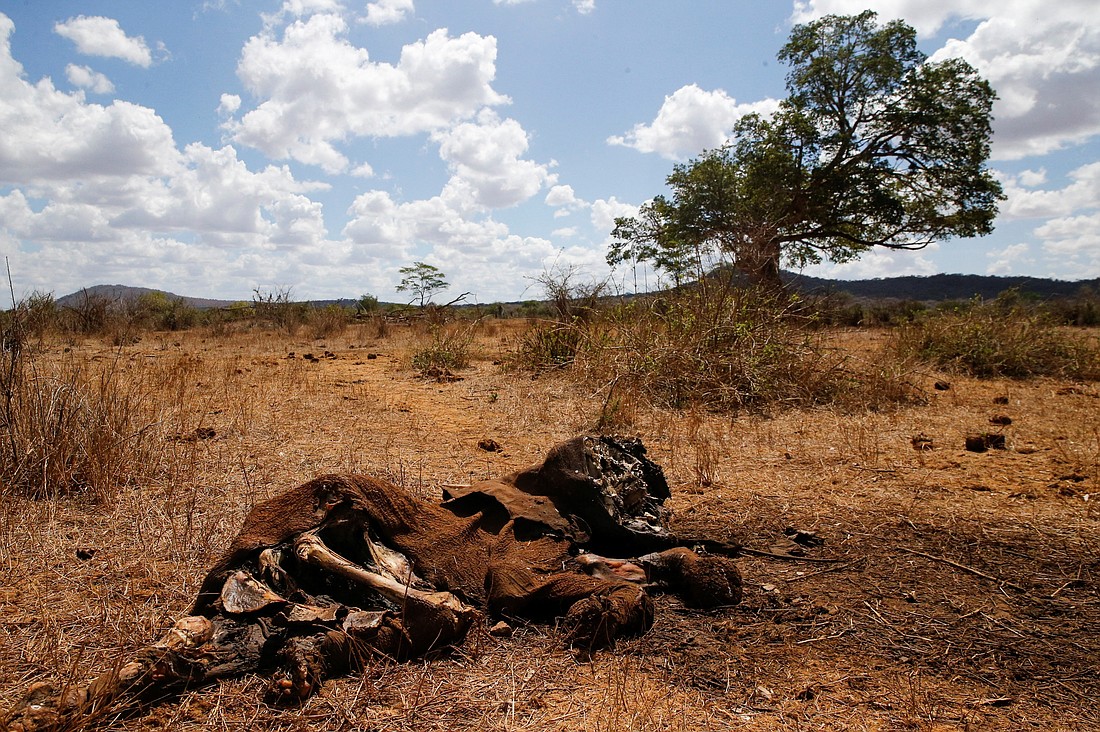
point(756, 408)
point(1004, 337)
point(276, 309)
point(327, 322)
point(447, 349)
point(69, 427)
point(712, 345)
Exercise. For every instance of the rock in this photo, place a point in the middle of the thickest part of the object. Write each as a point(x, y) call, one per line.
point(501, 630)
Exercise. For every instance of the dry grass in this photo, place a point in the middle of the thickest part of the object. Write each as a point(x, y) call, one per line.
point(890, 637)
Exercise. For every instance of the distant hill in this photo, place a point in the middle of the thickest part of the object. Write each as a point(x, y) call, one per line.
point(933, 288)
point(941, 286)
point(120, 293)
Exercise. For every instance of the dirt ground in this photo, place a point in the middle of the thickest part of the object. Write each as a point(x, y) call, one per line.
point(961, 591)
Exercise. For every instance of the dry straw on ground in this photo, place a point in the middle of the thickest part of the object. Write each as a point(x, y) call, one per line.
point(963, 594)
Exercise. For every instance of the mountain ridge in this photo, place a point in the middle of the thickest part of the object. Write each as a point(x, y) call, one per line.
point(927, 288)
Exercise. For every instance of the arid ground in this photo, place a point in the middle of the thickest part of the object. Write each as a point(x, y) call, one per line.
point(962, 592)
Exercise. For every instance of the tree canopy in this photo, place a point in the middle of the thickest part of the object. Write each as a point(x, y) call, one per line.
point(873, 146)
point(423, 280)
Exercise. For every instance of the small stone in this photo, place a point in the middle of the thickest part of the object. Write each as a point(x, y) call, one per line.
point(501, 630)
point(941, 386)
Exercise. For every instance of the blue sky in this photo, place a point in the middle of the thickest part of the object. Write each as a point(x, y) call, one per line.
point(211, 147)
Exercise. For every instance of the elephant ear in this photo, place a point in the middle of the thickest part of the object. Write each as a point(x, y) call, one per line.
point(499, 502)
point(599, 491)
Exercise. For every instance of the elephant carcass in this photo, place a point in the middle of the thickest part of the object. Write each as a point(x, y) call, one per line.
point(344, 568)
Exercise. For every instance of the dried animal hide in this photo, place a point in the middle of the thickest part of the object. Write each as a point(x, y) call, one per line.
point(347, 567)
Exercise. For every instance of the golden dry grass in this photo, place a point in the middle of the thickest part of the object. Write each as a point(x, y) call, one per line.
point(891, 637)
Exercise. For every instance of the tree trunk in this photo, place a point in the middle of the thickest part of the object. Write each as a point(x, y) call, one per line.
point(759, 261)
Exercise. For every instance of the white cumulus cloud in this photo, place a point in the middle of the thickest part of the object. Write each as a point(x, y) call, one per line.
point(52, 135)
point(103, 191)
point(86, 78)
point(1073, 244)
point(99, 36)
point(485, 159)
point(388, 12)
point(317, 90)
point(563, 196)
point(1025, 200)
point(690, 121)
point(1009, 259)
point(605, 211)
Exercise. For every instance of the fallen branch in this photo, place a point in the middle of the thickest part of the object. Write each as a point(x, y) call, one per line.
point(836, 568)
point(786, 557)
point(964, 568)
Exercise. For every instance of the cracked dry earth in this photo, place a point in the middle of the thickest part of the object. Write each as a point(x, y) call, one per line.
point(962, 592)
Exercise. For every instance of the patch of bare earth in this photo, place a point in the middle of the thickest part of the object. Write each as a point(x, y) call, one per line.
point(961, 591)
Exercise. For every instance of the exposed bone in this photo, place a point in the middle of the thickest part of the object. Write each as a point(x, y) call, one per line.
point(427, 620)
point(311, 549)
point(362, 621)
point(189, 632)
point(271, 569)
point(311, 614)
point(393, 563)
point(242, 593)
point(611, 569)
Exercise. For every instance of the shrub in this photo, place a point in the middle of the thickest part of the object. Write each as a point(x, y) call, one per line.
point(278, 311)
point(159, 311)
point(714, 346)
point(1004, 337)
point(67, 431)
point(447, 349)
point(1083, 309)
point(548, 344)
point(91, 314)
point(327, 322)
point(725, 350)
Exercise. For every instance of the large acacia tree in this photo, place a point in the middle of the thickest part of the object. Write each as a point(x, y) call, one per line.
point(873, 146)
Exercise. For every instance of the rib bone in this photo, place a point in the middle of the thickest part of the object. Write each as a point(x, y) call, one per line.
point(433, 618)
